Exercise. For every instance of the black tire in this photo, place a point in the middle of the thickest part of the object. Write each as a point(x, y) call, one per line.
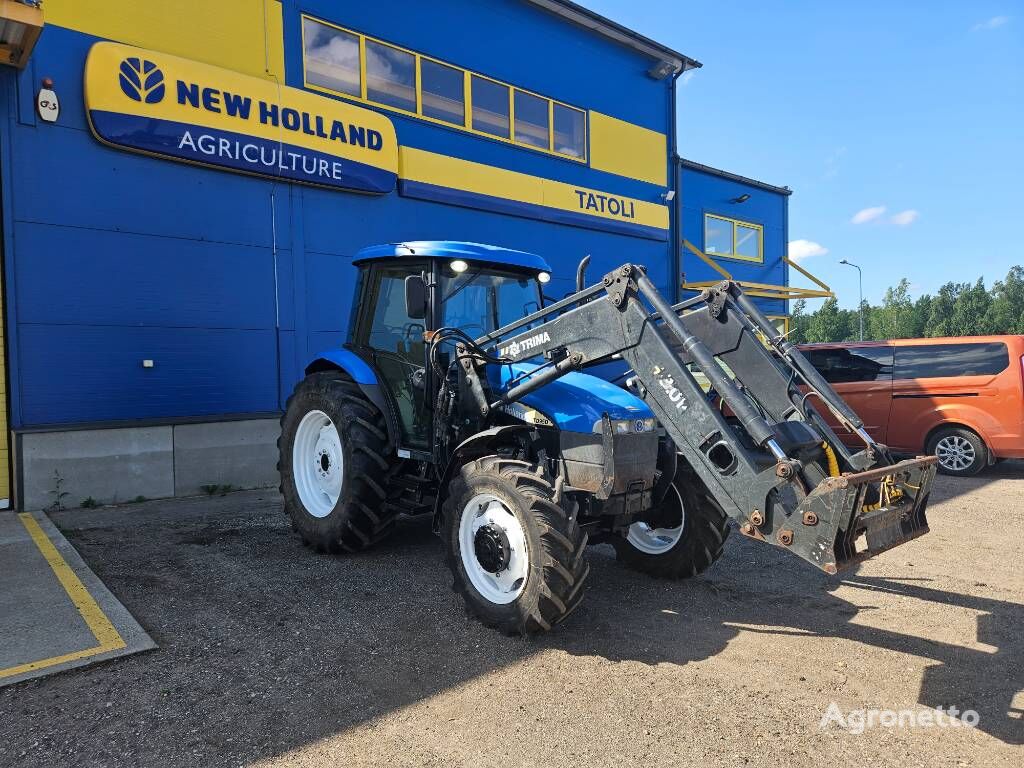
point(705, 530)
point(360, 518)
point(557, 570)
point(958, 441)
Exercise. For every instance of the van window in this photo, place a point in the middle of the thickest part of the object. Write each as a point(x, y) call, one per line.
point(843, 365)
point(932, 361)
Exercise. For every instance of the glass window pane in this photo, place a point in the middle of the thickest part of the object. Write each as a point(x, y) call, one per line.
point(748, 242)
point(443, 92)
point(717, 236)
point(844, 365)
point(929, 361)
point(532, 120)
point(570, 131)
point(331, 58)
point(390, 76)
point(490, 107)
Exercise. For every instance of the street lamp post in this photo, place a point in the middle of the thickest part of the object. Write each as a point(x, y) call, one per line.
point(860, 290)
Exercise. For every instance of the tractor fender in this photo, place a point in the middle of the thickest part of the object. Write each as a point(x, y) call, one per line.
point(481, 444)
point(362, 373)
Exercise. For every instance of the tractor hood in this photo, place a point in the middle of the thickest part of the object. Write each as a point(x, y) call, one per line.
point(576, 401)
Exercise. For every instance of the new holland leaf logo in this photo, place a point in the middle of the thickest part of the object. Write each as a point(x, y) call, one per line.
point(141, 80)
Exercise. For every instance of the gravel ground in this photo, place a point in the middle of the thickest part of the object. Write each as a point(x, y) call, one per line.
point(271, 655)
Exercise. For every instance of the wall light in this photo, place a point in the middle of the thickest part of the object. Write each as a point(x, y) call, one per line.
point(21, 22)
point(741, 199)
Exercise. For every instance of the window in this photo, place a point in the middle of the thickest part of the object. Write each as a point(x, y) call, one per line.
point(331, 57)
point(570, 131)
point(843, 365)
point(444, 92)
point(732, 239)
point(490, 107)
point(347, 63)
point(390, 76)
point(481, 302)
point(532, 113)
point(931, 361)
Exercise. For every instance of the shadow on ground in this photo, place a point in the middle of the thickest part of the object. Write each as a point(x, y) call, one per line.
point(265, 646)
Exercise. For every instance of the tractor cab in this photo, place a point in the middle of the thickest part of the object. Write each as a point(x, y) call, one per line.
point(407, 290)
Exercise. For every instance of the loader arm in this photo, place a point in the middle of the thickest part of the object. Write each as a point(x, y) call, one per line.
point(767, 457)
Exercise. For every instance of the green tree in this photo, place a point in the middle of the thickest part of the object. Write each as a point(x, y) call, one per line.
point(895, 318)
point(941, 311)
point(798, 320)
point(828, 323)
point(969, 310)
point(919, 316)
point(1006, 311)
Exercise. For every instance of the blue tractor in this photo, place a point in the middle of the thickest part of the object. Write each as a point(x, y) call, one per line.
point(462, 393)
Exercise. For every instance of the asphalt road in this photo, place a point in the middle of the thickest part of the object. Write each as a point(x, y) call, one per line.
point(271, 655)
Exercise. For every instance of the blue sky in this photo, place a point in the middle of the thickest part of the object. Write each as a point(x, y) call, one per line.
point(899, 126)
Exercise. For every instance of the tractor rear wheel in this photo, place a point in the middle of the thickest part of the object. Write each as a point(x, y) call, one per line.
point(335, 464)
point(514, 545)
point(683, 537)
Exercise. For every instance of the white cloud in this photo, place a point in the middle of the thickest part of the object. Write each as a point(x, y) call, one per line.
point(804, 249)
point(868, 214)
point(687, 76)
point(993, 23)
point(905, 218)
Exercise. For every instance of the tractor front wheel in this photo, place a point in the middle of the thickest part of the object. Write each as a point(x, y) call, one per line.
point(515, 547)
point(335, 464)
point(682, 537)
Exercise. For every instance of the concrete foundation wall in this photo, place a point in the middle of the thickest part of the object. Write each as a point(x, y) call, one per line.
point(119, 465)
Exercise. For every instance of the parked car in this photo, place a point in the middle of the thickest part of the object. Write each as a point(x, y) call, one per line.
point(961, 399)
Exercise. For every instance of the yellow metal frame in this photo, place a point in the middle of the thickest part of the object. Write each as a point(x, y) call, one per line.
point(761, 290)
point(32, 18)
point(735, 223)
point(467, 89)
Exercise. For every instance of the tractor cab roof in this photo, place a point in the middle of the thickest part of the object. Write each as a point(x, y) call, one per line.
point(453, 249)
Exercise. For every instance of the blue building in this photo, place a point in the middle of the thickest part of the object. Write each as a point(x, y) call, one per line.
point(736, 228)
point(178, 232)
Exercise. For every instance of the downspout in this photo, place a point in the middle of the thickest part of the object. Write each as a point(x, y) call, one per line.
point(674, 232)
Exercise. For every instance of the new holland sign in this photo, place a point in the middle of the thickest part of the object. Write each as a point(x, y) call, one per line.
point(172, 107)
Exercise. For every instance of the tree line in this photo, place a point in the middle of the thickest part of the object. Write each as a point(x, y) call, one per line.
point(958, 309)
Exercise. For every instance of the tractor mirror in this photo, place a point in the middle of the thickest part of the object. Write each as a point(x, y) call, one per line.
point(415, 297)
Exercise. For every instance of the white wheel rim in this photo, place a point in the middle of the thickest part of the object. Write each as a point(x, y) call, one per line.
point(506, 585)
point(658, 541)
point(318, 464)
point(955, 452)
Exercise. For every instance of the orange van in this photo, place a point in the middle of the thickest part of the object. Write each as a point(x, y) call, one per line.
point(961, 399)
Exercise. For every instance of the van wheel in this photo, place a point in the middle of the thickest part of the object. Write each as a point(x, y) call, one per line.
point(960, 452)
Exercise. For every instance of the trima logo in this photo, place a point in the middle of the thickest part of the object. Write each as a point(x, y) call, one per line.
point(514, 349)
point(142, 80)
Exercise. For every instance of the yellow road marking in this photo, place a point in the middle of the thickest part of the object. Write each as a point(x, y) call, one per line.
point(106, 635)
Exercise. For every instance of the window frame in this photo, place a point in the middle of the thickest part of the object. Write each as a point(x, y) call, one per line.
point(735, 224)
point(468, 74)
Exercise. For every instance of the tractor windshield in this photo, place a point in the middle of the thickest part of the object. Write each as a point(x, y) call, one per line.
point(482, 299)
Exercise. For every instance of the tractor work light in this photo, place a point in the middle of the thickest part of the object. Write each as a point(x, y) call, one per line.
point(543, 277)
point(459, 266)
point(21, 22)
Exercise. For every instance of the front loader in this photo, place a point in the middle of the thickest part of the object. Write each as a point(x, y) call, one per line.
point(452, 398)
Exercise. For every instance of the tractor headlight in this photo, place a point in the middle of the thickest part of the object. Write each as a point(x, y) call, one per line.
point(459, 266)
point(629, 426)
point(543, 277)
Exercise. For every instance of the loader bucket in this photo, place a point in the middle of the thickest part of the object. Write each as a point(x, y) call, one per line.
point(855, 516)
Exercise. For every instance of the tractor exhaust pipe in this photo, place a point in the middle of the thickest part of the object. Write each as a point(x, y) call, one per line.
point(581, 273)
